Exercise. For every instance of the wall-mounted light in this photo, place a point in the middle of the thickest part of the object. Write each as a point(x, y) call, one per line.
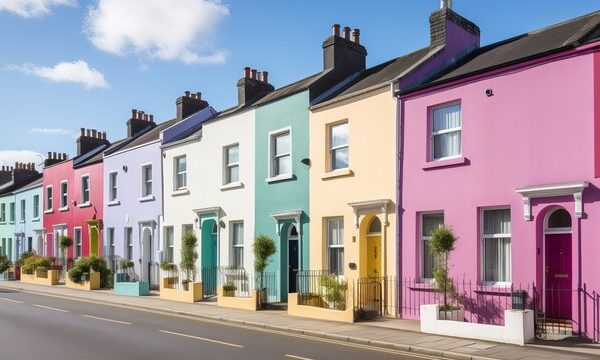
point(489, 92)
point(305, 161)
point(222, 224)
point(125, 168)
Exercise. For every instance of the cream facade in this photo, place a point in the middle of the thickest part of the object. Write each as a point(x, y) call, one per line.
point(353, 207)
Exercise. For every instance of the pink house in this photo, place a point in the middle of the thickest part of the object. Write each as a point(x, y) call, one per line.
point(505, 149)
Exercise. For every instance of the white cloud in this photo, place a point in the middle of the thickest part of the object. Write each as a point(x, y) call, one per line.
point(32, 8)
point(10, 157)
point(159, 29)
point(78, 72)
point(52, 131)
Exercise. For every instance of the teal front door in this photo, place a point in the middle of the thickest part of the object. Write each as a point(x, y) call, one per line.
point(209, 257)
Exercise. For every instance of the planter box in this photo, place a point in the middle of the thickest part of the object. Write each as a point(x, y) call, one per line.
point(252, 303)
point(92, 284)
point(454, 315)
point(317, 312)
point(49, 280)
point(193, 294)
point(138, 288)
point(518, 326)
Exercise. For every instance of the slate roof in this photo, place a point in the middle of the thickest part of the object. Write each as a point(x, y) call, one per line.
point(538, 43)
point(149, 136)
point(290, 89)
point(14, 187)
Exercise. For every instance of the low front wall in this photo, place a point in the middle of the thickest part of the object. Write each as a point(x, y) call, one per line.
point(518, 327)
point(92, 284)
point(250, 303)
point(320, 313)
point(52, 278)
point(193, 294)
point(138, 288)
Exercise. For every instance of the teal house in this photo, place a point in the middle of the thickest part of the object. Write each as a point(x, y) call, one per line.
point(282, 162)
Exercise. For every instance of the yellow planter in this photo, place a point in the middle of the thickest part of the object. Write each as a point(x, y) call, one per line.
point(251, 303)
point(92, 284)
point(193, 294)
point(320, 313)
point(50, 279)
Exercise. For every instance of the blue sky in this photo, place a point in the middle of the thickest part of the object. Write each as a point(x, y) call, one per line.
point(145, 59)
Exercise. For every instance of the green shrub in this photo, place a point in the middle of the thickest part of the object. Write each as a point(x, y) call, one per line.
point(86, 265)
point(24, 256)
point(229, 286)
point(189, 255)
point(165, 266)
point(335, 291)
point(5, 263)
point(441, 245)
point(31, 263)
point(263, 248)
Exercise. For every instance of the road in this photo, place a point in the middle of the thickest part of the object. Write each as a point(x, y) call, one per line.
point(37, 326)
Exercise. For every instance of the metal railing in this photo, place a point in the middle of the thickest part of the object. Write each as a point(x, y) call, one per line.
point(209, 281)
point(236, 282)
point(178, 280)
point(321, 288)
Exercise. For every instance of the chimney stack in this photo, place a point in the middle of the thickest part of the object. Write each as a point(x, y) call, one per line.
point(253, 86)
point(463, 30)
point(23, 172)
point(89, 140)
point(138, 122)
point(189, 104)
point(5, 175)
point(54, 158)
point(344, 53)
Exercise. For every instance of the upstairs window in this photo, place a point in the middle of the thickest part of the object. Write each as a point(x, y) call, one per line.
point(23, 209)
point(112, 186)
point(64, 194)
point(232, 164)
point(85, 189)
point(12, 212)
point(446, 128)
point(36, 206)
point(281, 154)
point(3, 212)
point(180, 173)
point(146, 180)
point(49, 198)
point(338, 146)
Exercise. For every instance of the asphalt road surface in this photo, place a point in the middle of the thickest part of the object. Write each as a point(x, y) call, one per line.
point(36, 326)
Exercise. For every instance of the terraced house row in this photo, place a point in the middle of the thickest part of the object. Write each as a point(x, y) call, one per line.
point(349, 171)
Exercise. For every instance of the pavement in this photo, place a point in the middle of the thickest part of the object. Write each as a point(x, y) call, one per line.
point(392, 334)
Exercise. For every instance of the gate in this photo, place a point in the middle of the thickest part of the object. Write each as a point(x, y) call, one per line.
point(369, 297)
point(209, 281)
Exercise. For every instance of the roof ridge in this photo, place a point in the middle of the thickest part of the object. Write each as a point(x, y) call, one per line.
point(564, 22)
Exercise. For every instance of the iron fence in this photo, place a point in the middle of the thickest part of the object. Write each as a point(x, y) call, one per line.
point(238, 282)
point(321, 288)
point(209, 281)
point(178, 280)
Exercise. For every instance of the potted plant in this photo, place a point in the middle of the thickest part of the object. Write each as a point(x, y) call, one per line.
point(189, 256)
point(65, 242)
point(441, 245)
point(263, 248)
point(229, 289)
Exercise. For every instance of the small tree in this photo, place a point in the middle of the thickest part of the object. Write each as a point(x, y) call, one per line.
point(5, 263)
point(441, 244)
point(189, 255)
point(65, 243)
point(264, 247)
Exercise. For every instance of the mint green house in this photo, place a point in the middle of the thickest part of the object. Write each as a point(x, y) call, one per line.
point(282, 163)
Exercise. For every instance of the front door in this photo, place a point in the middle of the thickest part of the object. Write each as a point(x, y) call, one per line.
point(93, 241)
point(559, 279)
point(292, 260)
point(209, 257)
point(146, 254)
point(374, 255)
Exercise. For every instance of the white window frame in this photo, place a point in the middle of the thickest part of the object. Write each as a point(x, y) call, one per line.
point(128, 235)
point(12, 212)
point(64, 196)
point(3, 212)
point(332, 148)
point(89, 192)
point(23, 205)
point(146, 181)
point(169, 248)
point(228, 166)
point(422, 238)
point(113, 186)
point(484, 237)
point(110, 243)
point(78, 243)
point(433, 134)
point(176, 173)
point(49, 199)
point(336, 246)
point(271, 176)
point(36, 207)
point(235, 246)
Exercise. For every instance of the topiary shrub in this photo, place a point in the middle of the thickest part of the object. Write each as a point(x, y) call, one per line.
point(441, 245)
point(86, 265)
point(263, 248)
point(189, 255)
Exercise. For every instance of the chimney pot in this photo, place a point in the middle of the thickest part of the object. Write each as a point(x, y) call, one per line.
point(199, 95)
point(356, 36)
point(347, 33)
point(253, 73)
point(187, 94)
point(54, 155)
point(94, 133)
point(103, 137)
point(151, 118)
point(49, 155)
point(133, 113)
point(64, 155)
point(82, 132)
point(246, 72)
point(145, 117)
point(336, 29)
point(265, 76)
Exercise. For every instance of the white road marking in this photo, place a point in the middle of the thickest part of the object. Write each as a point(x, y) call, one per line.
point(50, 308)
point(11, 300)
point(105, 319)
point(201, 338)
point(297, 357)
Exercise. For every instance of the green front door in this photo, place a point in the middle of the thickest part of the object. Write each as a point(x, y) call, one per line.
point(209, 257)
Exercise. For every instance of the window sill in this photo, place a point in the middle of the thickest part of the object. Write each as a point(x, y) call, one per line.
point(337, 174)
point(85, 205)
point(279, 178)
point(232, 185)
point(49, 211)
point(2, 222)
point(37, 219)
point(21, 221)
point(113, 203)
point(146, 198)
point(180, 192)
point(493, 286)
point(63, 209)
point(434, 164)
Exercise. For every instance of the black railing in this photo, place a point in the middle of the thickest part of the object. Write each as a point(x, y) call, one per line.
point(320, 288)
point(209, 281)
point(236, 282)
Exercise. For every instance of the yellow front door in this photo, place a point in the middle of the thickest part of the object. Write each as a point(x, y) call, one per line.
point(374, 254)
point(93, 241)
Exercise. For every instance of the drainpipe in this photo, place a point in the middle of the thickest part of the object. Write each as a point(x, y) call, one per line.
point(399, 178)
point(579, 282)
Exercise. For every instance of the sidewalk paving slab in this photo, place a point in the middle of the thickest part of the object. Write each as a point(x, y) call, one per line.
point(395, 334)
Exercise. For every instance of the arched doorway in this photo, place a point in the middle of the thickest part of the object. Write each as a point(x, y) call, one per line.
point(146, 254)
point(374, 251)
point(558, 271)
point(292, 258)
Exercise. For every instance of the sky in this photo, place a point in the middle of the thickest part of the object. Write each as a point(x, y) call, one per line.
point(67, 64)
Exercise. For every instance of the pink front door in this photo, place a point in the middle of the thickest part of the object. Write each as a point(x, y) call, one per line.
point(559, 279)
